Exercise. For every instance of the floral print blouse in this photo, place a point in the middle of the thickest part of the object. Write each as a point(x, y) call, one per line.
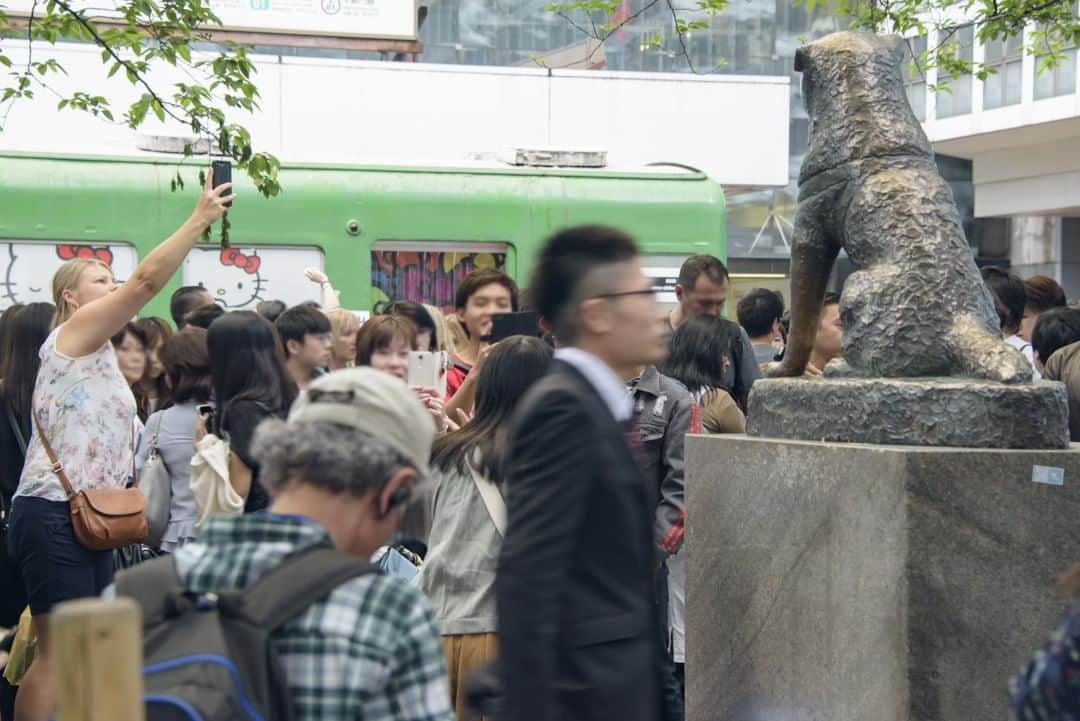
point(87, 412)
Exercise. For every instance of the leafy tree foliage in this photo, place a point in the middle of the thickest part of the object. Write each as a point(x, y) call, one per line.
point(1048, 27)
point(135, 37)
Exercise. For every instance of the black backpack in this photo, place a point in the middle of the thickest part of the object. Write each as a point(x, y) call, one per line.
point(208, 657)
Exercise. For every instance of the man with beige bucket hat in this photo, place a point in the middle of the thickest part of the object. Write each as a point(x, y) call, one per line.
point(341, 470)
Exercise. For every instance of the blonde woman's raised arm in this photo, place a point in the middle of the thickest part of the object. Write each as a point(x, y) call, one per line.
point(94, 323)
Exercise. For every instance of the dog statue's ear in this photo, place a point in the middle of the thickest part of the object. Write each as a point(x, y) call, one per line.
point(802, 59)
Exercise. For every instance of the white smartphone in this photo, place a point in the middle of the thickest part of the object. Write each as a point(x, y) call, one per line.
point(428, 370)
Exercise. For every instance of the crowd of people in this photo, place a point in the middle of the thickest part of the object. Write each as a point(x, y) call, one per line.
point(534, 513)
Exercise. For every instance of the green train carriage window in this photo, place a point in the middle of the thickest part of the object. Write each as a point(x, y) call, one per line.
point(240, 277)
point(428, 271)
point(28, 266)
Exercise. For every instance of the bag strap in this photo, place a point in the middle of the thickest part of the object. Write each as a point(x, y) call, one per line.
point(302, 579)
point(151, 583)
point(153, 439)
point(56, 467)
point(14, 423)
point(492, 497)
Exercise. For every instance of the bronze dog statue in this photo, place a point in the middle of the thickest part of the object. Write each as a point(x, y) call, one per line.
point(916, 305)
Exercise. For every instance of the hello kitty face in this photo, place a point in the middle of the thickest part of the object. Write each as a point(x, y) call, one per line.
point(231, 275)
point(30, 266)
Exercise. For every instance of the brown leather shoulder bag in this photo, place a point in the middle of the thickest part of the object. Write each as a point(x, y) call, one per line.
point(103, 518)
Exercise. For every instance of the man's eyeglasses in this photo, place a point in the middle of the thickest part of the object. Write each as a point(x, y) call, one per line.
point(625, 293)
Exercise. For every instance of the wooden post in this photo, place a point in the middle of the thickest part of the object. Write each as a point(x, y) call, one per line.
point(96, 654)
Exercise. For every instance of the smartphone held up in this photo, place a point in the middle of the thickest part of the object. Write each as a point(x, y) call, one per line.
point(221, 171)
point(504, 325)
point(427, 369)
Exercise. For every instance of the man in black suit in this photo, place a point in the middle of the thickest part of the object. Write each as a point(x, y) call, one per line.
point(578, 634)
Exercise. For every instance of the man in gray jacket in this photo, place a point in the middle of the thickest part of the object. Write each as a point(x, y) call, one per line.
point(665, 412)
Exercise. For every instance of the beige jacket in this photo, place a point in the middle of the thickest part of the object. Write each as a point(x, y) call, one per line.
point(1064, 366)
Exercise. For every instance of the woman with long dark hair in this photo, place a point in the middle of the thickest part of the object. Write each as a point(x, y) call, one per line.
point(459, 571)
point(27, 329)
point(6, 319)
point(250, 385)
point(700, 353)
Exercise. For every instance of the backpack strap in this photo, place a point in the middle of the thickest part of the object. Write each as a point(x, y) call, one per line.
point(302, 579)
point(155, 585)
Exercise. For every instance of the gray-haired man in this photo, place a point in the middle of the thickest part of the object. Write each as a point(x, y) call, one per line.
point(341, 470)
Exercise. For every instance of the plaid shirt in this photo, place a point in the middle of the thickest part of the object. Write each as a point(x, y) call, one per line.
point(370, 650)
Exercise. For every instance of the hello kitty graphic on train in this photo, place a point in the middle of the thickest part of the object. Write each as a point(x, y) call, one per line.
point(235, 277)
point(29, 266)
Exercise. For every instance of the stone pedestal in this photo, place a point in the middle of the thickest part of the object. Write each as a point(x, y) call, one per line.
point(844, 582)
point(957, 412)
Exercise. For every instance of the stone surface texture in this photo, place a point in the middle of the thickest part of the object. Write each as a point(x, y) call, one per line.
point(943, 412)
point(842, 582)
point(916, 305)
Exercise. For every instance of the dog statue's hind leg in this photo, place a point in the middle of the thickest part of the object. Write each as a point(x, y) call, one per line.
point(979, 353)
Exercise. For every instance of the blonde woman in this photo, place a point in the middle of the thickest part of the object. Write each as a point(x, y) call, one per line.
point(344, 326)
point(443, 341)
point(85, 408)
point(456, 336)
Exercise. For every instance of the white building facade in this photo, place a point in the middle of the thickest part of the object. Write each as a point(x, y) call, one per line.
point(1020, 128)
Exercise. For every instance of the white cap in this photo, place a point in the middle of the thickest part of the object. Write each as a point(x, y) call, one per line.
point(372, 401)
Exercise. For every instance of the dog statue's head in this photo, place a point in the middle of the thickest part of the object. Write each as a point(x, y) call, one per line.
point(854, 94)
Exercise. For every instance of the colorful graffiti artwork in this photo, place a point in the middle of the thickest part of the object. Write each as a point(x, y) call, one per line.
point(238, 278)
point(426, 276)
point(29, 266)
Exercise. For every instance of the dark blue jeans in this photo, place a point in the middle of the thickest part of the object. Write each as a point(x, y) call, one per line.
point(54, 566)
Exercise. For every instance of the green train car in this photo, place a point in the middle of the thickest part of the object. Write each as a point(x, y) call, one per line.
point(379, 232)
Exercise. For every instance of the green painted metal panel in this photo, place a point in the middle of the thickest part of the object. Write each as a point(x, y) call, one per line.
point(96, 200)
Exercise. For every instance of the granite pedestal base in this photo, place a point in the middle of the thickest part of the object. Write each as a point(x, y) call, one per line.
point(923, 412)
point(843, 582)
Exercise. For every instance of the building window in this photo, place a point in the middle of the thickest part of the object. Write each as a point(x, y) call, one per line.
point(1060, 79)
point(956, 100)
point(1006, 58)
point(914, 75)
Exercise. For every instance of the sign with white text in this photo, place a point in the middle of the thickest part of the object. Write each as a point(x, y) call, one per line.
point(375, 19)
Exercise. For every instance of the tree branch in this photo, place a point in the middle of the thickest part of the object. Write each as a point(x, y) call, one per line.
point(682, 39)
point(166, 106)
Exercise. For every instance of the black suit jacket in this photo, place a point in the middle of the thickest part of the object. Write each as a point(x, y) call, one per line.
point(578, 636)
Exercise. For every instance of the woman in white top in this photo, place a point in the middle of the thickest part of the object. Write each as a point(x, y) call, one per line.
point(458, 574)
point(86, 409)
